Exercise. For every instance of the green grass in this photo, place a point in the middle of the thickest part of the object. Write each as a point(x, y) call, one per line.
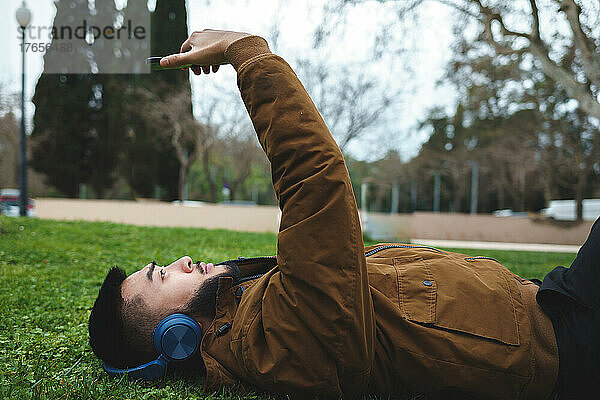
point(528, 264)
point(50, 273)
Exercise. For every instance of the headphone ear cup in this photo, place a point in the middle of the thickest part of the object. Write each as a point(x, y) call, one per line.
point(177, 337)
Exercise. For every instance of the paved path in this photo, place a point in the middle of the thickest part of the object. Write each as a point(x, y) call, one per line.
point(155, 213)
point(266, 219)
point(548, 248)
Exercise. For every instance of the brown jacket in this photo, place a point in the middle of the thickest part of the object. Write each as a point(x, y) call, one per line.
point(330, 317)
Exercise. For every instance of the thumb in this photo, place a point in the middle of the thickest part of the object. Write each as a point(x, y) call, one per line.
point(176, 60)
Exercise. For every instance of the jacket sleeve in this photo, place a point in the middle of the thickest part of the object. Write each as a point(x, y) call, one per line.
point(320, 251)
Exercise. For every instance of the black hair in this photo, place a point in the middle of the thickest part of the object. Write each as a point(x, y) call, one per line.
point(105, 325)
point(109, 336)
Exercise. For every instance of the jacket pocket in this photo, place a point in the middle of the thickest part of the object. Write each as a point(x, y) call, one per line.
point(417, 291)
point(473, 297)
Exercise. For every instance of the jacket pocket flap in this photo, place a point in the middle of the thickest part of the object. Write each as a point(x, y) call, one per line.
point(417, 289)
point(472, 297)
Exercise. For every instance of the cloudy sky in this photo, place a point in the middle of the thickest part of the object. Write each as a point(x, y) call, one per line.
point(413, 75)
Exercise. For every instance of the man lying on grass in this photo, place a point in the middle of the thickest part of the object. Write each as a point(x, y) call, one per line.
point(329, 317)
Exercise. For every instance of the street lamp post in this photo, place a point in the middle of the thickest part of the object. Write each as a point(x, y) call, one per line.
point(23, 18)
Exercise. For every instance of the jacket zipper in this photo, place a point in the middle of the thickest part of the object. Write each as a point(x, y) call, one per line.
point(402, 246)
point(243, 260)
point(481, 258)
point(248, 278)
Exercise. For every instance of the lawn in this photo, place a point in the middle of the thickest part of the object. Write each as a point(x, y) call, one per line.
point(50, 273)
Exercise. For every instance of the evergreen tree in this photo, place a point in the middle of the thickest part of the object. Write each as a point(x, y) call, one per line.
point(76, 138)
point(87, 126)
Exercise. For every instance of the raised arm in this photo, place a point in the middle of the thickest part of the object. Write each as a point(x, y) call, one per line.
point(320, 249)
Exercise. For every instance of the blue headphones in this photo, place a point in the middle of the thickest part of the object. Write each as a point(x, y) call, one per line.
point(175, 338)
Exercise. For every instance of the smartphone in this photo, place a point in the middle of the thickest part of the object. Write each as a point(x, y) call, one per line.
point(155, 64)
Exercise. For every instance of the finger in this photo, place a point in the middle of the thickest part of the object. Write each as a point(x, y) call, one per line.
point(206, 69)
point(186, 46)
point(196, 69)
point(215, 68)
point(176, 60)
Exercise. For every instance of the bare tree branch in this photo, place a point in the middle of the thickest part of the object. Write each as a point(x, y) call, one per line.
point(181, 128)
point(491, 15)
point(499, 48)
point(535, 31)
point(576, 90)
point(459, 8)
point(589, 52)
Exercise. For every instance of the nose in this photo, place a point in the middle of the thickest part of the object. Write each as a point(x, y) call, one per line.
point(184, 263)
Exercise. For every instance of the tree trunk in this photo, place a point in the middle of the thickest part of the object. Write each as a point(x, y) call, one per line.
point(183, 168)
point(523, 186)
point(581, 181)
point(457, 191)
point(99, 191)
point(211, 180)
point(501, 197)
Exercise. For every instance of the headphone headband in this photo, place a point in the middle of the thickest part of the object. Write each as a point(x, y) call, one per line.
point(147, 372)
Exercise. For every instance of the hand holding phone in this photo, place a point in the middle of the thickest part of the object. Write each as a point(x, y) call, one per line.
point(201, 51)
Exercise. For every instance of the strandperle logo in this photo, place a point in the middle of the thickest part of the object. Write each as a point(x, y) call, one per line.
point(83, 32)
point(92, 40)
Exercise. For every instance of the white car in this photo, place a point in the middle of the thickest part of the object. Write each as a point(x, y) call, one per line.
point(566, 210)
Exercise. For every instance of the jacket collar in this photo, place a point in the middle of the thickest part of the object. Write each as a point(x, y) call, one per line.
point(215, 346)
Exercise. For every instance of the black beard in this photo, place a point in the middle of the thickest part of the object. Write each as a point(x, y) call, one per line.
point(204, 301)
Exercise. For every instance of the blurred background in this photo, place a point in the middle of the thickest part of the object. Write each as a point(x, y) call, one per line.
point(445, 106)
